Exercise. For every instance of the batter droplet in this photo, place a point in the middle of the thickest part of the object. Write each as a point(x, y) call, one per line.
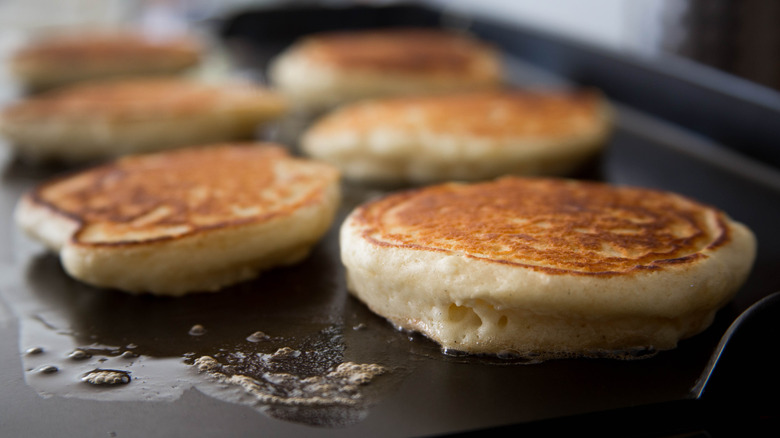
point(48, 369)
point(258, 336)
point(79, 355)
point(106, 377)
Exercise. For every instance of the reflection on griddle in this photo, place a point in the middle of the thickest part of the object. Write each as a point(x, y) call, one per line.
point(279, 343)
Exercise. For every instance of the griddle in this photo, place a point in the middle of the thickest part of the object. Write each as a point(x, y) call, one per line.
point(680, 127)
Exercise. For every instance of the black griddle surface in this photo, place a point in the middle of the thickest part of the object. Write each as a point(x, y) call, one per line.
point(307, 307)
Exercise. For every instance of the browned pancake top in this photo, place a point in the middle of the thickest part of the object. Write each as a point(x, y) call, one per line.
point(181, 192)
point(104, 48)
point(141, 98)
point(482, 114)
point(399, 50)
point(556, 226)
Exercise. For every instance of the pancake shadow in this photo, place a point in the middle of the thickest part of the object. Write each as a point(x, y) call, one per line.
point(298, 308)
point(283, 299)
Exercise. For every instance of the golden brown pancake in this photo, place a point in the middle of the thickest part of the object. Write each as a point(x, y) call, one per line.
point(330, 68)
point(399, 50)
point(111, 118)
point(463, 136)
point(490, 114)
point(60, 59)
point(552, 226)
point(188, 220)
point(131, 99)
point(544, 266)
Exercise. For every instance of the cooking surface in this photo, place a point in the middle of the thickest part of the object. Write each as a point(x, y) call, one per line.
point(307, 308)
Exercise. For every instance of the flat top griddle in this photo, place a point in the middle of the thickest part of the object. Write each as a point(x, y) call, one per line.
point(306, 307)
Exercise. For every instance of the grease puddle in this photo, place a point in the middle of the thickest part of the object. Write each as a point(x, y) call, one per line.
point(278, 344)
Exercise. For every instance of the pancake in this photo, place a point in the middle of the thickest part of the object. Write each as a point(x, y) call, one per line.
point(194, 219)
point(464, 136)
point(63, 58)
point(106, 119)
point(545, 268)
point(327, 69)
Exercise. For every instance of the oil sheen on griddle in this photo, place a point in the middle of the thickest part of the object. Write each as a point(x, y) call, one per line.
point(276, 343)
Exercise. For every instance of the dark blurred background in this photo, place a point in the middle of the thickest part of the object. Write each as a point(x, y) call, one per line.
point(740, 37)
